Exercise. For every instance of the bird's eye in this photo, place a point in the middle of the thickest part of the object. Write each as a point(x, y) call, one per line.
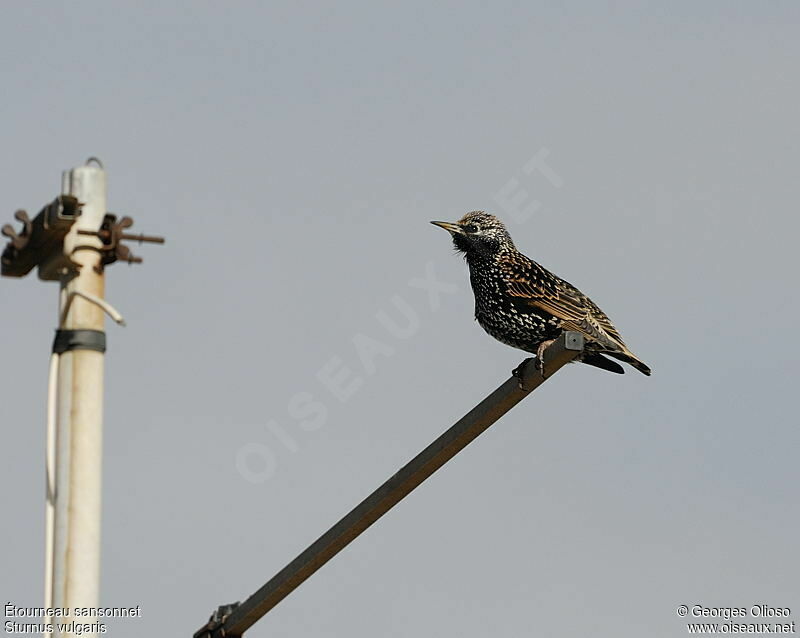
point(471, 228)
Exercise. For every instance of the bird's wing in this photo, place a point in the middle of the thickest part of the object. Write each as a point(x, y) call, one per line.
point(535, 288)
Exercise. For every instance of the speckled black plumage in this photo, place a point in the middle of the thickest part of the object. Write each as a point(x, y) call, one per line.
point(523, 304)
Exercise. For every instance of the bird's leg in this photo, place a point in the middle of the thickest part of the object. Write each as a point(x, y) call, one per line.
point(540, 355)
point(538, 361)
point(519, 372)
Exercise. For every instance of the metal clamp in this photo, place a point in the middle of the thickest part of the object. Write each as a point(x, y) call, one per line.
point(67, 340)
point(112, 234)
point(216, 621)
point(40, 243)
point(19, 241)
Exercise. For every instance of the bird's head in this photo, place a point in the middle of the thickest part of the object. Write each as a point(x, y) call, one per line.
point(478, 233)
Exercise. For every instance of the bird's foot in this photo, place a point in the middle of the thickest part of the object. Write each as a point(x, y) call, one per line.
point(537, 361)
point(540, 355)
point(519, 372)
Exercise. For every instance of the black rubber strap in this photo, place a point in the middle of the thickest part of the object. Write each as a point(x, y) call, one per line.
point(67, 340)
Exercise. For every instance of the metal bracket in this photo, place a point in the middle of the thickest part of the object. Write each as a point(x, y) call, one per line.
point(40, 243)
point(216, 621)
point(19, 241)
point(112, 233)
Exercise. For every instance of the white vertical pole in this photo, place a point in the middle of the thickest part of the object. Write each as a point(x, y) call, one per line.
point(76, 554)
point(50, 478)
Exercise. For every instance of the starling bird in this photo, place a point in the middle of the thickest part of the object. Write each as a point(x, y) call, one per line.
point(524, 305)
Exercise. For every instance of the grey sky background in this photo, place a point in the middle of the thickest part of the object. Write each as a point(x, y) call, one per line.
point(293, 154)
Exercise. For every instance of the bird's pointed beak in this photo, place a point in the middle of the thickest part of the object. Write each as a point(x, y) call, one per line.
point(453, 228)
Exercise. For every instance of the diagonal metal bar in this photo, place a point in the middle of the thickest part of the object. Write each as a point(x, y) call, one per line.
point(233, 620)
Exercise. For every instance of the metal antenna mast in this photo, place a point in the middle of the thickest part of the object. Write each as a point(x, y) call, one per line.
point(71, 241)
point(231, 621)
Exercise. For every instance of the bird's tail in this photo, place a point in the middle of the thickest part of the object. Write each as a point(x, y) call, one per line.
point(632, 359)
point(599, 361)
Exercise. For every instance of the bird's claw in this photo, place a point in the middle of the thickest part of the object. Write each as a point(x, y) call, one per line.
point(540, 355)
point(519, 372)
